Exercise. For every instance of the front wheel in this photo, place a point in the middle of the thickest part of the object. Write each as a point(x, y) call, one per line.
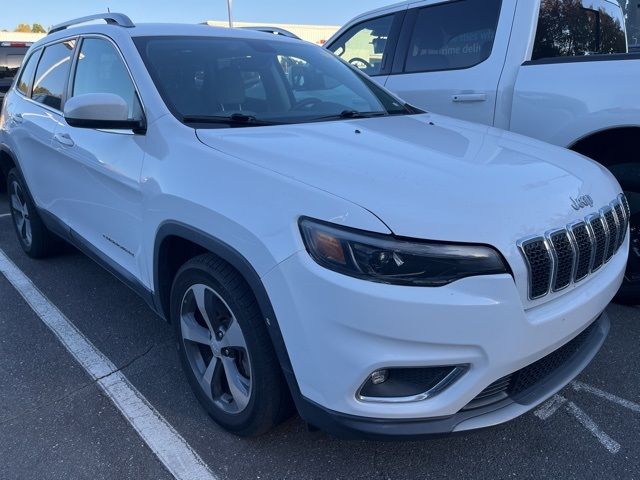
point(225, 348)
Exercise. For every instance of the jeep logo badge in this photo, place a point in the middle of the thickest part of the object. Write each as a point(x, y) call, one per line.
point(581, 202)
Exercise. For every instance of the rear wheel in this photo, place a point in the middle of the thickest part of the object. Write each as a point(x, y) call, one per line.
point(225, 348)
point(34, 237)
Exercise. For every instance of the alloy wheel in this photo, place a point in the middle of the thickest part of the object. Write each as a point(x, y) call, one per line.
point(20, 211)
point(216, 349)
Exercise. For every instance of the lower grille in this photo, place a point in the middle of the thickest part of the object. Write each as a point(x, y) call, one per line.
point(520, 382)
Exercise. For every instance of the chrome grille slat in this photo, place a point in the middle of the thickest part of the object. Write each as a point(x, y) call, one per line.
point(564, 254)
point(612, 232)
point(599, 232)
point(569, 255)
point(537, 253)
point(584, 243)
point(618, 210)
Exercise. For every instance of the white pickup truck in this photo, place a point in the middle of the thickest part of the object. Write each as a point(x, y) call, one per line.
point(555, 70)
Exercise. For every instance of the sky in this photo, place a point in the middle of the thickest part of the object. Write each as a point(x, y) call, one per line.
point(325, 12)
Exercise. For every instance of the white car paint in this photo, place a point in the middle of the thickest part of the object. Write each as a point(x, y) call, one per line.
point(424, 176)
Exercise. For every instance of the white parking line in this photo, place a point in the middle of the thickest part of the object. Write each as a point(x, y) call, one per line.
point(579, 386)
point(167, 444)
point(608, 442)
point(5, 215)
point(552, 405)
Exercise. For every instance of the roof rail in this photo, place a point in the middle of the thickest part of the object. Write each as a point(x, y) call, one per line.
point(119, 19)
point(274, 30)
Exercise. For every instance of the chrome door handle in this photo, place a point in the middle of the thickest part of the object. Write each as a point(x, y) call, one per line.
point(64, 139)
point(17, 117)
point(469, 97)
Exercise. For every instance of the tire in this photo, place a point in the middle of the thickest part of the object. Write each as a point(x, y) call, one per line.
point(230, 347)
point(34, 237)
point(629, 294)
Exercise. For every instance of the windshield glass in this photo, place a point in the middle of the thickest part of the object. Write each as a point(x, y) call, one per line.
point(228, 81)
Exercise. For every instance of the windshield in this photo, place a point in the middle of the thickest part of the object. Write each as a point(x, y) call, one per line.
point(231, 81)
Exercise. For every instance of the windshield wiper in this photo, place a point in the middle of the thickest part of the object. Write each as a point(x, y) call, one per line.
point(236, 120)
point(353, 114)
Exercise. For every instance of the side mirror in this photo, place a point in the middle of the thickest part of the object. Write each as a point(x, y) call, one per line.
point(100, 110)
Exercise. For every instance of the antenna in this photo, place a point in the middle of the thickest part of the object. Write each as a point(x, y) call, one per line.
point(230, 9)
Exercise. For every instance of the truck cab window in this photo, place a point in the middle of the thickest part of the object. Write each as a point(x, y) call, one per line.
point(575, 28)
point(453, 35)
point(363, 45)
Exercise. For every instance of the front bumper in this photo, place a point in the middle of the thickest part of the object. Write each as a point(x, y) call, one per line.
point(353, 427)
point(338, 330)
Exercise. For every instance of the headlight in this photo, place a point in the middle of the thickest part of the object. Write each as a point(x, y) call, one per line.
point(387, 259)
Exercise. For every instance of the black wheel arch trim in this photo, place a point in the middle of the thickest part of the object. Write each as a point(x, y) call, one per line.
point(4, 148)
point(244, 267)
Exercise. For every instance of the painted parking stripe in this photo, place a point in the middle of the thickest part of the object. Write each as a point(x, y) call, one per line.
point(579, 386)
point(547, 410)
point(167, 444)
point(5, 215)
point(586, 421)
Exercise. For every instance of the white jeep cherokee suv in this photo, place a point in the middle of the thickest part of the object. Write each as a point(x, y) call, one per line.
point(310, 236)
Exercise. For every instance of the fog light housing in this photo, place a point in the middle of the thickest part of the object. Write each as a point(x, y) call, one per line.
point(397, 385)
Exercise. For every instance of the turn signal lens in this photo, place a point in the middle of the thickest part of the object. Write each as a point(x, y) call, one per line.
point(328, 246)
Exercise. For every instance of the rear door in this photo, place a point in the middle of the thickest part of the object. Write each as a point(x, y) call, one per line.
point(34, 112)
point(369, 45)
point(450, 57)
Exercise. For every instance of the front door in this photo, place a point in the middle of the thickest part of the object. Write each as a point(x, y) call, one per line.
point(103, 199)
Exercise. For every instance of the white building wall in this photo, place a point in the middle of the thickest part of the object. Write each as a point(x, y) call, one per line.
point(311, 33)
point(20, 37)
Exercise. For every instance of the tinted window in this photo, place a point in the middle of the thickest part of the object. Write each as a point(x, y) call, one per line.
point(52, 74)
point(269, 80)
point(570, 28)
point(100, 69)
point(364, 45)
point(453, 35)
point(26, 77)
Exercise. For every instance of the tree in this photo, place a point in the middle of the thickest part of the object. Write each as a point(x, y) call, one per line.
point(37, 28)
point(23, 28)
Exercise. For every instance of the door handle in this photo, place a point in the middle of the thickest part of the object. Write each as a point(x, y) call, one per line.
point(64, 139)
point(17, 118)
point(469, 97)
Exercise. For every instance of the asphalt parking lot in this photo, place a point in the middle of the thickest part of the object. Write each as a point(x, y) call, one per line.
point(56, 423)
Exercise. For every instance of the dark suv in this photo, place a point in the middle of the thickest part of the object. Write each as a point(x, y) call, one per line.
point(11, 56)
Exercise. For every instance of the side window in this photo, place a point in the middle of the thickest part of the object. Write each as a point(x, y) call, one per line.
point(363, 45)
point(574, 28)
point(52, 73)
point(100, 69)
point(26, 76)
point(452, 36)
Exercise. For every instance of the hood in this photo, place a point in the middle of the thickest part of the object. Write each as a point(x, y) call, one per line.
point(431, 177)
